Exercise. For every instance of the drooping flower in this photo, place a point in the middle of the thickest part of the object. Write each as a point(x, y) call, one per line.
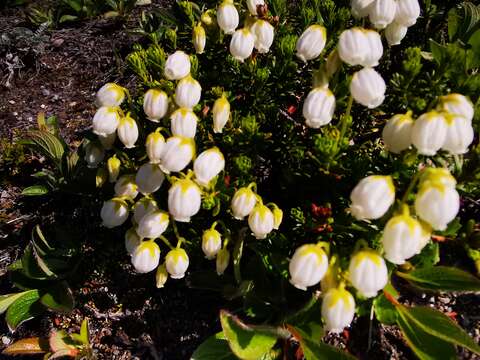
point(264, 34)
point(353, 46)
point(110, 94)
point(243, 202)
point(142, 207)
point(407, 12)
point(177, 154)
point(211, 243)
point(146, 257)
point(308, 266)
point(127, 131)
point(456, 104)
point(368, 88)
point(227, 17)
point(149, 178)
point(372, 197)
point(188, 93)
point(154, 145)
point(368, 272)
point(184, 199)
point(94, 154)
point(208, 165)
point(394, 33)
point(338, 309)
point(261, 221)
point(177, 66)
point(311, 43)
point(382, 13)
point(132, 240)
point(221, 114)
point(361, 8)
point(184, 123)
point(114, 213)
point(459, 134)
point(106, 120)
point(153, 224)
point(176, 263)
point(242, 44)
point(126, 186)
point(429, 132)
point(375, 49)
point(155, 104)
point(397, 133)
point(319, 107)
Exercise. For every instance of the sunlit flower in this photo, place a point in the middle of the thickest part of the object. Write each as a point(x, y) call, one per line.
point(308, 266)
point(243, 202)
point(153, 224)
point(429, 132)
point(227, 17)
point(382, 13)
point(319, 107)
point(176, 263)
point(184, 200)
point(264, 33)
point(208, 165)
point(110, 95)
point(241, 44)
point(177, 153)
point(155, 104)
point(211, 243)
point(456, 104)
point(106, 120)
point(311, 43)
point(368, 272)
point(177, 66)
point(407, 12)
point(338, 309)
point(459, 134)
point(394, 33)
point(368, 88)
point(154, 145)
point(397, 133)
point(126, 186)
point(146, 257)
point(114, 213)
point(184, 123)
point(188, 92)
point(261, 221)
point(127, 131)
point(372, 197)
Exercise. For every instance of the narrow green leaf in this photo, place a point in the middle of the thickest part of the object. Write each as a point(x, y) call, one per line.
point(247, 343)
point(442, 278)
point(35, 190)
point(23, 309)
point(424, 345)
point(439, 325)
point(7, 300)
point(59, 298)
point(214, 348)
point(85, 332)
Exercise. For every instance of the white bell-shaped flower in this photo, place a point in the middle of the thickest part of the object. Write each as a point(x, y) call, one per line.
point(223, 259)
point(154, 145)
point(153, 224)
point(375, 49)
point(126, 186)
point(161, 276)
point(199, 38)
point(372, 197)
point(177, 263)
point(319, 107)
point(311, 43)
point(108, 140)
point(113, 167)
point(155, 104)
point(184, 199)
point(437, 175)
point(368, 272)
point(177, 66)
point(382, 13)
point(106, 120)
point(264, 33)
point(188, 92)
point(110, 95)
point(261, 221)
point(241, 44)
point(211, 243)
point(252, 6)
point(437, 204)
point(114, 213)
point(143, 207)
point(397, 133)
point(132, 240)
point(338, 309)
point(146, 257)
point(220, 113)
point(402, 238)
point(361, 8)
point(308, 266)
point(353, 46)
point(227, 17)
point(368, 88)
point(127, 131)
point(94, 154)
point(177, 153)
point(459, 134)
point(407, 12)
point(394, 33)
point(184, 123)
point(243, 202)
point(208, 165)
point(456, 104)
point(429, 132)
point(149, 178)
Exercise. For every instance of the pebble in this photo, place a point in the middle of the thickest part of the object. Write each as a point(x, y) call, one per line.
point(11, 101)
point(6, 340)
point(444, 300)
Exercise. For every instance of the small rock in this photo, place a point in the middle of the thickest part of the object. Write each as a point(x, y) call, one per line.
point(57, 42)
point(11, 102)
point(45, 92)
point(43, 106)
point(6, 340)
point(444, 300)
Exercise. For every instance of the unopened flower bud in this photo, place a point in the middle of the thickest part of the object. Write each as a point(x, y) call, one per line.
point(211, 243)
point(338, 309)
point(227, 17)
point(223, 258)
point(149, 178)
point(155, 104)
point(221, 114)
point(184, 123)
point(372, 197)
point(277, 217)
point(106, 120)
point(114, 213)
point(153, 224)
point(243, 202)
point(127, 131)
point(154, 145)
point(311, 43)
point(177, 154)
point(308, 266)
point(146, 257)
point(319, 107)
point(188, 92)
point(101, 177)
point(429, 132)
point(113, 166)
point(208, 165)
point(368, 88)
point(177, 66)
point(199, 38)
point(184, 200)
point(161, 276)
point(368, 272)
point(110, 95)
point(126, 186)
point(176, 263)
point(397, 133)
point(241, 44)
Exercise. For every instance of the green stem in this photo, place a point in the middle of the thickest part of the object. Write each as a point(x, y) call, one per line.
point(166, 242)
point(410, 188)
point(175, 230)
point(237, 254)
point(343, 126)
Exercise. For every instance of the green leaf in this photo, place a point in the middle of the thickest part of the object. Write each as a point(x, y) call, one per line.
point(67, 18)
point(59, 298)
point(23, 309)
point(438, 51)
point(35, 190)
point(49, 145)
point(28, 346)
point(439, 325)
point(385, 311)
point(30, 265)
point(214, 348)
point(313, 350)
point(246, 342)
point(85, 332)
point(424, 345)
point(307, 319)
point(8, 299)
point(442, 278)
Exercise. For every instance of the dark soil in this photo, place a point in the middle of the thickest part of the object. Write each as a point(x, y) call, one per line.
point(58, 72)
